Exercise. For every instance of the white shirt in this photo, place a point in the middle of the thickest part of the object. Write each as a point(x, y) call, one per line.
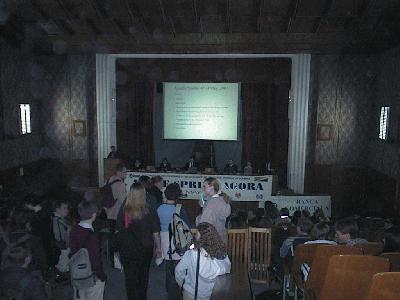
point(208, 271)
point(86, 225)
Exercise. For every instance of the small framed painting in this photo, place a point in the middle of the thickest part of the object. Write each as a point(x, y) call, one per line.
point(324, 132)
point(79, 128)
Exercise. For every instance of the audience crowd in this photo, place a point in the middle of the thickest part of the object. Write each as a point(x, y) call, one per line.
point(42, 237)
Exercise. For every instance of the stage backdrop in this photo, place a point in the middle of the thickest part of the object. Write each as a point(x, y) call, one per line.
point(264, 125)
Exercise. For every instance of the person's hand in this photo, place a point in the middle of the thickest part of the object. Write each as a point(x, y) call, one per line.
point(158, 253)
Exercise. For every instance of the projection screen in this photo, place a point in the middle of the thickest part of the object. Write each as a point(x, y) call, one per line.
point(208, 111)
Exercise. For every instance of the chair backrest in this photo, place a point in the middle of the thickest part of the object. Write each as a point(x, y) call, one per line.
point(384, 286)
point(349, 276)
point(259, 253)
point(394, 259)
point(238, 246)
point(319, 266)
point(302, 254)
point(371, 248)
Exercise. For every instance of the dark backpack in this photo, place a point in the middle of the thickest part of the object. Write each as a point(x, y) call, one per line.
point(107, 197)
point(179, 234)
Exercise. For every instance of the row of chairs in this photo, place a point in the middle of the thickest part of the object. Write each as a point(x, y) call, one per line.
point(337, 272)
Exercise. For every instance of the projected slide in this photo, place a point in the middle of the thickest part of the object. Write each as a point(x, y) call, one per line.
point(206, 111)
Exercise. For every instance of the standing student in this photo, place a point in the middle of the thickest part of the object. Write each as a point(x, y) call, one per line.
point(17, 281)
point(61, 229)
point(135, 242)
point(83, 236)
point(165, 213)
point(213, 261)
point(217, 207)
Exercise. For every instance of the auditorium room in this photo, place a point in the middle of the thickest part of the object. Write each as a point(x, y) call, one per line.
point(199, 149)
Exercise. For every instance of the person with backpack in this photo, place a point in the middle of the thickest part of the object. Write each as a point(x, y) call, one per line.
point(167, 212)
point(86, 268)
point(16, 282)
point(136, 240)
point(118, 189)
point(61, 229)
point(217, 208)
point(199, 267)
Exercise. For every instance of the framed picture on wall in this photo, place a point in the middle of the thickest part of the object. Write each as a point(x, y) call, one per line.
point(79, 127)
point(324, 132)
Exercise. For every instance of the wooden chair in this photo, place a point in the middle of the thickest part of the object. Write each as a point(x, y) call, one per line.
point(371, 248)
point(259, 253)
point(394, 259)
point(259, 260)
point(319, 267)
point(349, 276)
point(384, 286)
point(302, 254)
point(238, 246)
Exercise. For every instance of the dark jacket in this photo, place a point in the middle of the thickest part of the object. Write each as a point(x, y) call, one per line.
point(39, 261)
point(85, 238)
point(12, 277)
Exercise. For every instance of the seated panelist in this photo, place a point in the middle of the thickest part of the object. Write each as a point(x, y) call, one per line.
point(165, 165)
point(230, 167)
point(191, 164)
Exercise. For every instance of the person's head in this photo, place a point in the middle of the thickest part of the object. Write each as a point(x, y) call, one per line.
point(305, 214)
point(19, 257)
point(392, 239)
point(164, 161)
point(22, 219)
point(211, 186)
point(145, 181)
point(320, 231)
point(284, 212)
point(248, 164)
point(87, 211)
point(173, 191)
point(304, 226)
point(112, 148)
point(61, 208)
point(137, 163)
point(209, 239)
point(230, 162)
point(319, 214)
point(157, 181)
point(120, 170)
point(345, 230)
point(136, 205)
point(191, 159)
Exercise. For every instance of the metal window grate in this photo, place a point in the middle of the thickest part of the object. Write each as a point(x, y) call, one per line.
point(384, 122)
point(25, 111)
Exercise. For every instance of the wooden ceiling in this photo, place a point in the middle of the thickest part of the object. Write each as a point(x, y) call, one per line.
point(201, 26)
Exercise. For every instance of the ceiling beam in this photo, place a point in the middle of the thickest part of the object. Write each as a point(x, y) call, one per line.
point(290, 16)
point(325, 12)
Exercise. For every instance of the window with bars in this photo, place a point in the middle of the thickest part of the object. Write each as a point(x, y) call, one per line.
point(25, 112)
point(384, 122)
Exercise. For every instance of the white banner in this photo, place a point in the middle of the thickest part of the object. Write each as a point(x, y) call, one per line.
point(239, 188)
point(310, 203)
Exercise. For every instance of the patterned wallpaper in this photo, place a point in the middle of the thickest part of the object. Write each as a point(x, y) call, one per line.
point(342, 90)
point(385, 156)
point(61, 89)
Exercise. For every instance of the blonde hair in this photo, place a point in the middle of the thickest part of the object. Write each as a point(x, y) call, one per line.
point(136, 206)
point(211, 181)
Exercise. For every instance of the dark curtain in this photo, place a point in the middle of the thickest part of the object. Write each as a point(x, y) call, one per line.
point(135, 122)
point(265, 127)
